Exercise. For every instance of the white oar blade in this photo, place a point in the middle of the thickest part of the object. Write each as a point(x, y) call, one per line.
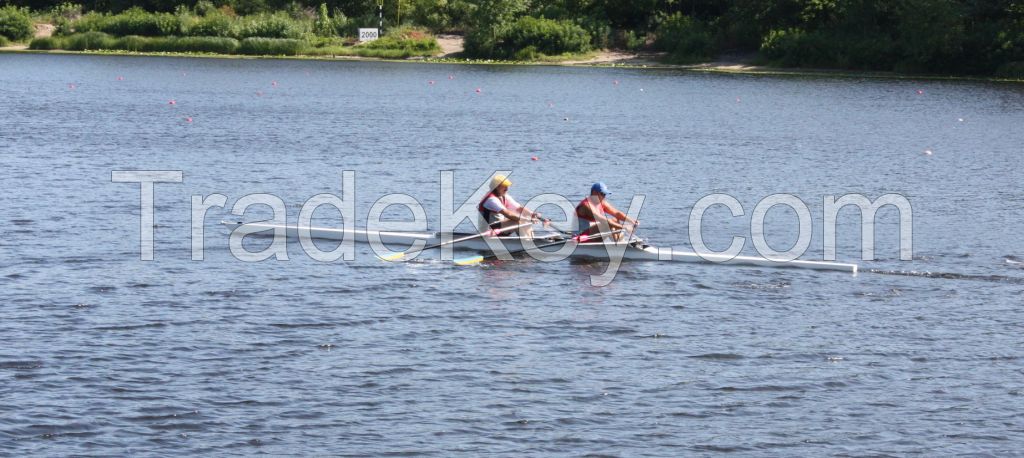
point(469, 261)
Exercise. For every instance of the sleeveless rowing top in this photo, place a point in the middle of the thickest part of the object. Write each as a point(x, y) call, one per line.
point(584, 222)
point(491, 218)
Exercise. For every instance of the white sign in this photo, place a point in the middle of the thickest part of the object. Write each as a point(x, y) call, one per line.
point(368, 34)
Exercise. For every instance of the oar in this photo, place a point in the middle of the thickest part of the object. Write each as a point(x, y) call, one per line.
point(404, 254)
point(579, 238)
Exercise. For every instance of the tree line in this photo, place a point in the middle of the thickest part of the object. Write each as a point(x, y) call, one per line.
point(963, 37)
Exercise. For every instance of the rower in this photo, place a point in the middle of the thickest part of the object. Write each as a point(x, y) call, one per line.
point(595, 208)
point(498, 209)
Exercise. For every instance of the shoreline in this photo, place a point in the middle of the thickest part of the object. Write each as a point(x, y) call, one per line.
point(628, 61)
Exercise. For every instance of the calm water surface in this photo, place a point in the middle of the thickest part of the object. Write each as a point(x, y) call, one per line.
point(106, 354)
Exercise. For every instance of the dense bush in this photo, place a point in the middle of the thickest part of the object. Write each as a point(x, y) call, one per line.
point(218, 45)
point(797, 48)
point(1013, 70)
point(272, 46)
point(16, 23)
point(136, 43)
point(411, 40)
point(46, 43)
point(532, 36)
point(132, 22)
point(212, 25)
point(4, 41)
point(278, 25)
point(88, 41)
point(685, 39)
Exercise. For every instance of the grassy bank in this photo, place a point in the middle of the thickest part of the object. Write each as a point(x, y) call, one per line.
point(400, 44)
point(210, 30)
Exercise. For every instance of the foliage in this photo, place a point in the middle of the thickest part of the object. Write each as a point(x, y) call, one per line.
point(1013, 70)
point(277, 25)
point(324, 26)
point(4, 41)
point(272, 46)
point(685, 39)
point(213, 24)
point(88, 41)
point(16, 23)
point(934, 36)
point(528, 38)
point(46, 43)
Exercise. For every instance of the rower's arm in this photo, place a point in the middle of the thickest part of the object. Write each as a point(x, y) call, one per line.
point(513, 215)
point(618, 214)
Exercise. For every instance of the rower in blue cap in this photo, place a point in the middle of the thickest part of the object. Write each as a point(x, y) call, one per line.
point(594, 208)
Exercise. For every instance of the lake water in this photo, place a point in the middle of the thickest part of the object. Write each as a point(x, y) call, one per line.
point(106, 354)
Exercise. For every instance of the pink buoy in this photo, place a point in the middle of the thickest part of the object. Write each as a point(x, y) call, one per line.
point(451, 77)
point(120, 78)
point(273, 83)
point(430, 82)
point(188, 119)
point(919, 92)
point(71, 86)
point(615, 82)
point(534, 158)
point(259, 93)
point(172, 102)
point(478, 90)
point(927, 152)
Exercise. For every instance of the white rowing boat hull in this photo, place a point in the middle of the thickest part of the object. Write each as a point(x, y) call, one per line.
point(598, 250)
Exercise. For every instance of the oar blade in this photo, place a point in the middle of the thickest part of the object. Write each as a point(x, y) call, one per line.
point(393, 257)
point(469, 261)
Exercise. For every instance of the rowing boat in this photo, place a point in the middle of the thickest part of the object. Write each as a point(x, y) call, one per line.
point(635, 249)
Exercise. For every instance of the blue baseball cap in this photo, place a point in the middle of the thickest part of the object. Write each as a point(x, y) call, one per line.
point(601, 188)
